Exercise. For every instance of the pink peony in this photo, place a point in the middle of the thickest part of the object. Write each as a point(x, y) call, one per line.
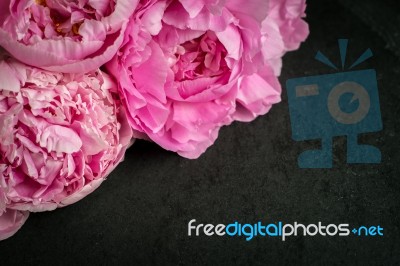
point(188, 67)
point(71, 36)
point(60, 136)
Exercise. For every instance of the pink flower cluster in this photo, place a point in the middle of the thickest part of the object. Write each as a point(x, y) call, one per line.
point(172, 71)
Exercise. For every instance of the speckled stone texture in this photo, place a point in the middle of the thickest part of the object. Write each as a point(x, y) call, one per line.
point(140, 215)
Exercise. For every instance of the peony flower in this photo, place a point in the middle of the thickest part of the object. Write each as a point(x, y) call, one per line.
point(188, 67)
point(60, 136)
point(72, 36)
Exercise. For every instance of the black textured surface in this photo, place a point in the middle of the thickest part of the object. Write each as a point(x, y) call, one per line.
point(140, 215)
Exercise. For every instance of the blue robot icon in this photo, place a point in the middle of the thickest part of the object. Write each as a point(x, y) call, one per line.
point(340, 104)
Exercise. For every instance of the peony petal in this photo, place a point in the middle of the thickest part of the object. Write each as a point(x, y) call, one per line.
point(193, 7)
point(9, 82)
point(77, 196)
point(252, 8)
point(11, 221)
point(152, 18)
point(154, 69)
point(231, 40)
point(256, 96)
point(123, 10)
point(101, 57)
point(60, 139)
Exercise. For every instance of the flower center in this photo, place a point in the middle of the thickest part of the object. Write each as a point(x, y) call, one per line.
point(41, 2)
point(52, 19)
point(201, 57)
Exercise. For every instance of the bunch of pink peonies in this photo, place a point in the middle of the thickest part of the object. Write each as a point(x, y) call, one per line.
point(182, 69)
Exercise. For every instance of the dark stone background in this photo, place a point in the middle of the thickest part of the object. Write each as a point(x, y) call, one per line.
point(140, 215)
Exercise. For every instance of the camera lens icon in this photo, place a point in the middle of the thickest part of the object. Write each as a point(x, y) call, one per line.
point(359, 93)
